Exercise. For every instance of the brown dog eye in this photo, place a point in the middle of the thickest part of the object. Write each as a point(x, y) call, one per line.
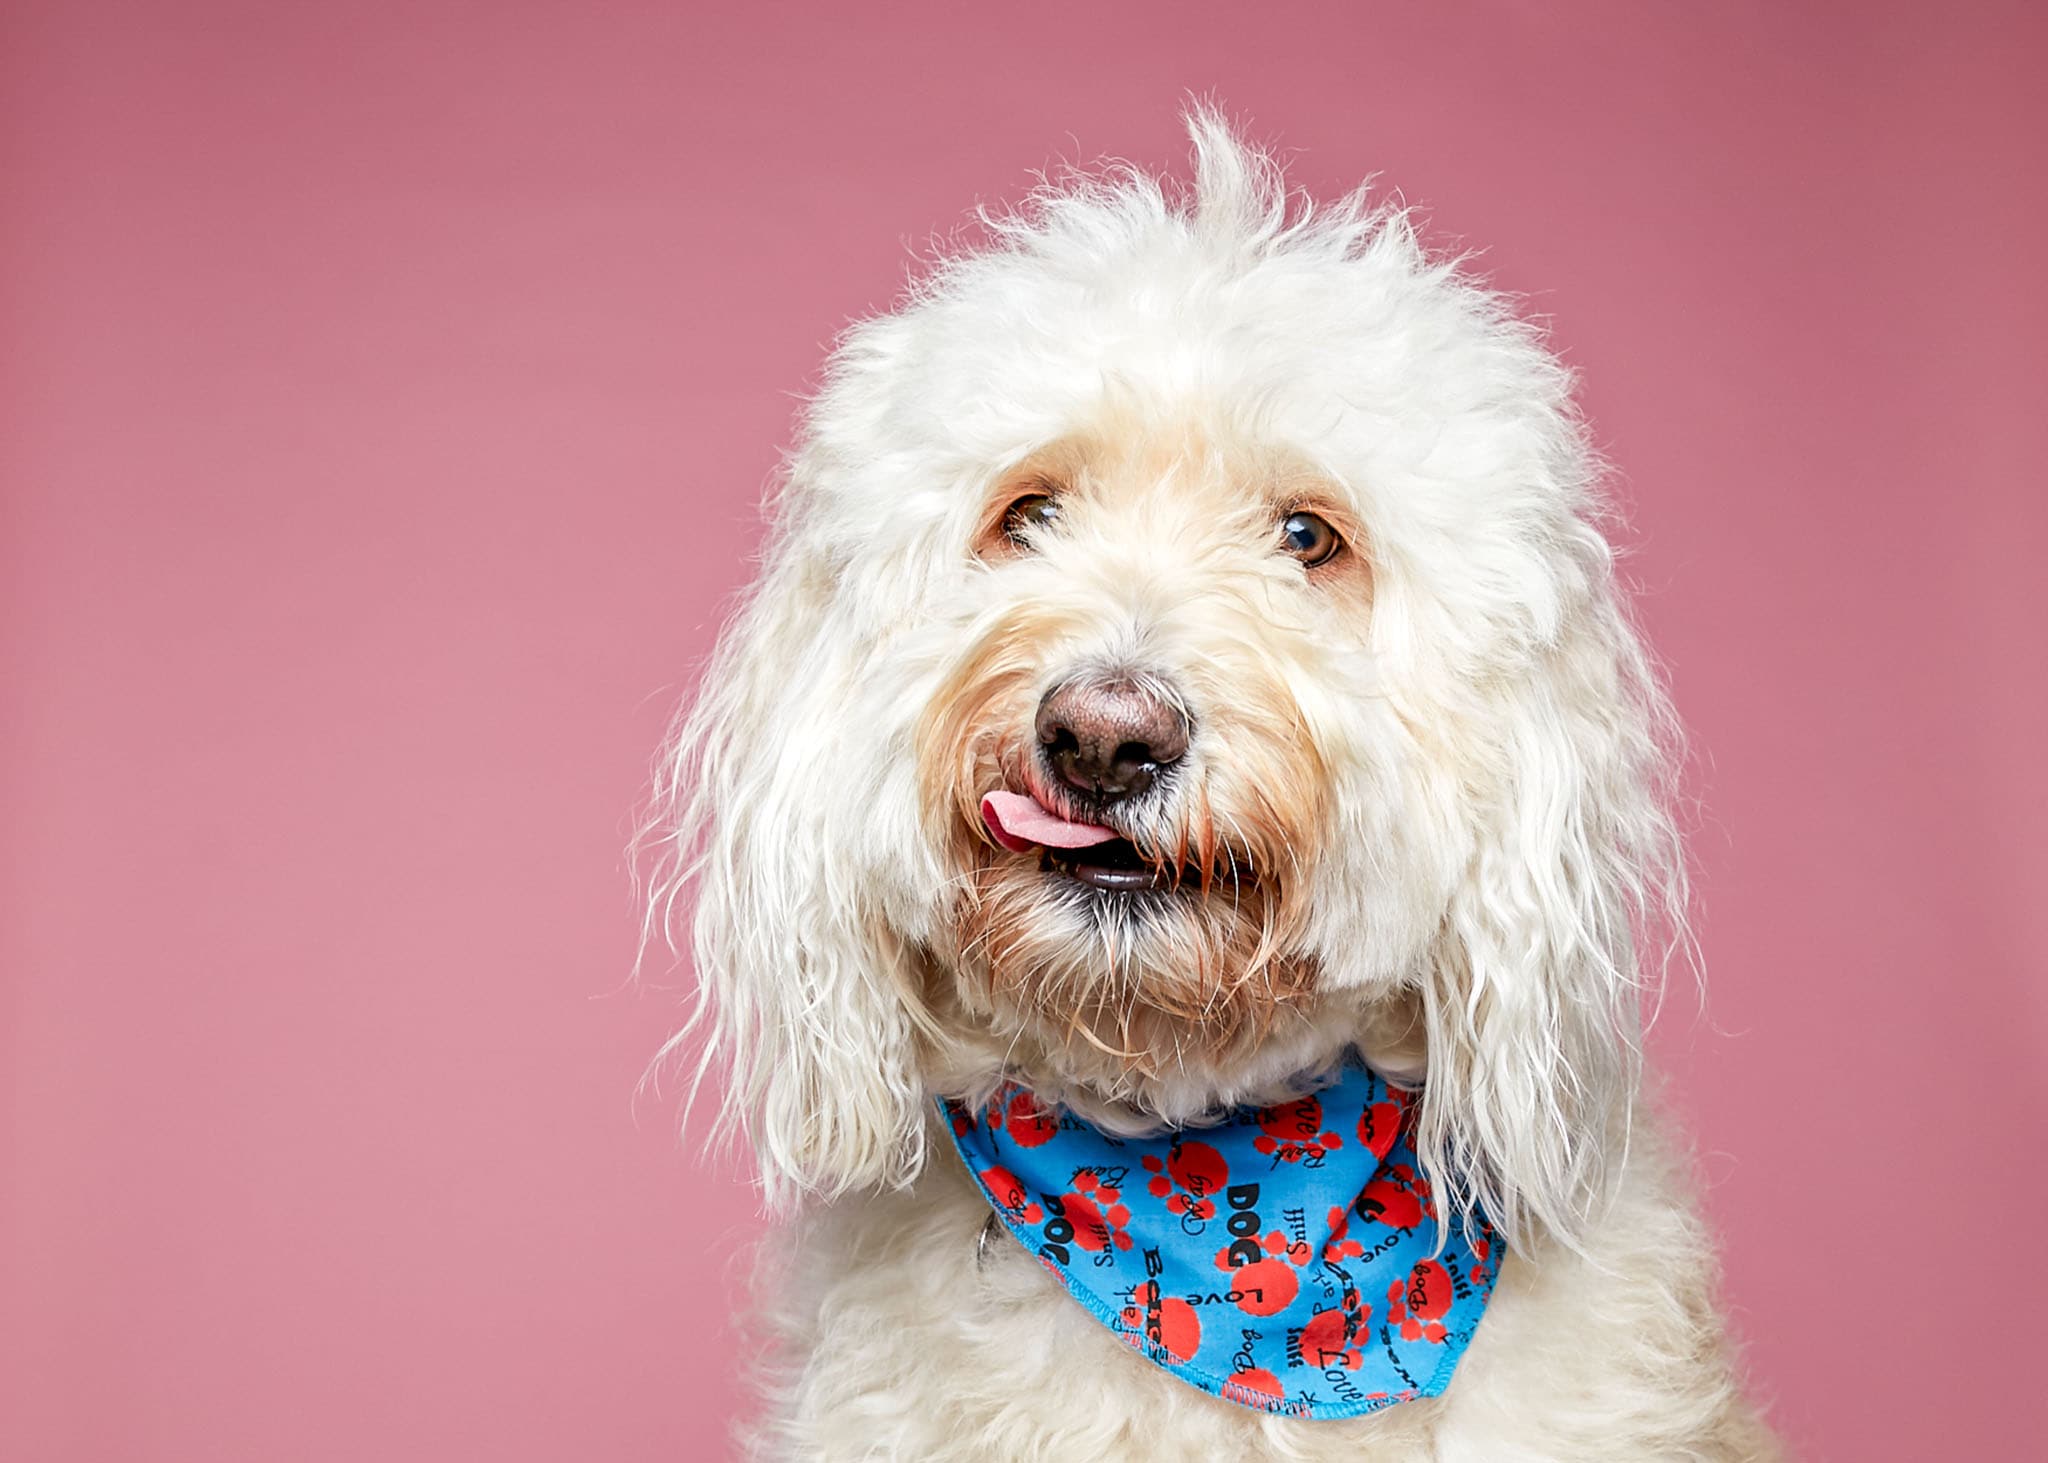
point(1035, 511)
point(1309, 538)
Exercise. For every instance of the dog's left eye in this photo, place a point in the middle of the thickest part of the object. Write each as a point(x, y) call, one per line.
point(1309, 538)
point(1033, 511)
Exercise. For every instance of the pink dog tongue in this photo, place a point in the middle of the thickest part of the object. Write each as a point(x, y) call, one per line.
point(1021, 823)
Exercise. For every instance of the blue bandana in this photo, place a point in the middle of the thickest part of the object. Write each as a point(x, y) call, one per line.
point(1284, 1259)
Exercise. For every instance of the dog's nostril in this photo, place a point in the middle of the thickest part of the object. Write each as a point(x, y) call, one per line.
point(1136, 753)
point(1109, 737)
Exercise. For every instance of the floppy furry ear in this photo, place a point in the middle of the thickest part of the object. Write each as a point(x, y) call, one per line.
point(1533, 1001)
point(804, 996)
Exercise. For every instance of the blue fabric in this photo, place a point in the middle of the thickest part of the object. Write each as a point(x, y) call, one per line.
point(1283, 1258)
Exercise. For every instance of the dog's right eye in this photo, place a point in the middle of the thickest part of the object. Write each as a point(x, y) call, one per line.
point(1032, 512)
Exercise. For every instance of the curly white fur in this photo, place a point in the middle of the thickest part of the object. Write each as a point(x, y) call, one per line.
point(1451, 767)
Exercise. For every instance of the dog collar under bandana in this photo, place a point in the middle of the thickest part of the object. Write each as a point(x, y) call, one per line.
point(1284, 1258)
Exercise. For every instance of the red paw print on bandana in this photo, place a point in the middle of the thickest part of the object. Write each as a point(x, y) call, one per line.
point(1418, 1304)
point(1337, 1337)
point(1023, 1119)
point(961, 1119)
point(1266, 1286)
point(1379, 1126)
point(1191, 1173)
point(1010, 1196)
point(1163, 1320)
point(1399, 1198)
point(1254, 1385)
point(1097, 1212)
point(1294, 1131)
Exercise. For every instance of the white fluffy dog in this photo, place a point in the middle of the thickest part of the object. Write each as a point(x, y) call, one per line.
point(1263, 550)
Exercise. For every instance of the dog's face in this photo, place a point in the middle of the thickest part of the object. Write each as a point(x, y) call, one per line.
point(1166, 638)
point(1185, 650)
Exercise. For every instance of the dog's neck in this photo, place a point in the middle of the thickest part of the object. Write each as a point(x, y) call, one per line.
point(1386, 1031)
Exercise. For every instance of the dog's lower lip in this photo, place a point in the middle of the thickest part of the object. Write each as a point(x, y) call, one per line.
point(1115, 867)
point(1119, 879)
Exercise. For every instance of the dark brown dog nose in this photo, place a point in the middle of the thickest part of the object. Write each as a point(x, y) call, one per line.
point(1109, 736)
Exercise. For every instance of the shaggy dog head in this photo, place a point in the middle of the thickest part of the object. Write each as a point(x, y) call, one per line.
point(1185, 648)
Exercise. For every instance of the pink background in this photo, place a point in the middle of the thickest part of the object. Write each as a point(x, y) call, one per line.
point(387, 390)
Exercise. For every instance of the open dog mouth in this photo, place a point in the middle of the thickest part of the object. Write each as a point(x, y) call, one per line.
point(1088, 852)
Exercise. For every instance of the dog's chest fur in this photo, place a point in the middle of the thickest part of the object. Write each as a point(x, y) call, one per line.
point(901, 1333)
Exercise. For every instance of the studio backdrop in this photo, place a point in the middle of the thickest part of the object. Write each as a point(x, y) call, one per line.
point(386, 392)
